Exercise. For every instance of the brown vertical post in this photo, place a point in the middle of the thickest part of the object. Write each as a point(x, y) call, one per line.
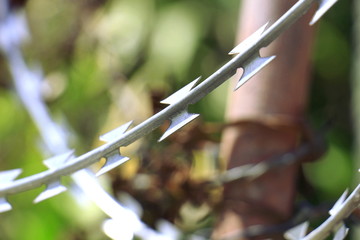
point(268, 109)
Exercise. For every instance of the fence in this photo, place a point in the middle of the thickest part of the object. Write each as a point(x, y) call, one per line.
point(27, 81)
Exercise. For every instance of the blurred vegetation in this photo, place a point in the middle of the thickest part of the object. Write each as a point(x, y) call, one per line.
point(108, 62)
point(330, 101)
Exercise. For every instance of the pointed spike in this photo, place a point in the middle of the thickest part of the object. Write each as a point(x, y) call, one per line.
point(297, 232)
point(59, 160)
point(178, 122)
point(9, 176)
point(180, 94)
point(52, 189)
point(341, 233)
point(112, 161)
point(244, 45)
point(251, 67)
point(337, 206)
point(4, 205)
point(114, 135)
point(324, 6)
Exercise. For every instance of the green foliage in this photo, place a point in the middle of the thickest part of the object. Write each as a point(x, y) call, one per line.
point(104, 63)
point(112, 58)
point(331, 102)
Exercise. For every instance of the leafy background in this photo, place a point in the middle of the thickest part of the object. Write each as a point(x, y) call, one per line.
point(108, 62)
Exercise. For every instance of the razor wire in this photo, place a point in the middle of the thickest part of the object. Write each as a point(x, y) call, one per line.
point(298, 227)
point(247, 56)
point(27, 84)
point(334, 225)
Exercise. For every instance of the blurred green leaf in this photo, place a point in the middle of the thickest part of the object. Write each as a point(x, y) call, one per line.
point(332, 173)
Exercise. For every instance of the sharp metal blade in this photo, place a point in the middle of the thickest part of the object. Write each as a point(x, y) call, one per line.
point(4, 205)
point(9, 176)
point(112, 161)
point(297, 232)
point(115, 134)
point(52, 189)
point(178, 122)
point(341, 233)
point(5, 178)
point(180, 94)
point(251, 67)
point(337, 206)
point(324, 6)
point(59, 160)
point(248, 42)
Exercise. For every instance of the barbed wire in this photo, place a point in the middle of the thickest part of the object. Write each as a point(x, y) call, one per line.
point(309, 150)
point(12, 34)
point(247, 57)
point(27, 84)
